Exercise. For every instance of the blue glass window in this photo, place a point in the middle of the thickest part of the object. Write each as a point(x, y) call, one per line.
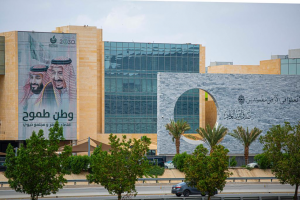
point(131, 84)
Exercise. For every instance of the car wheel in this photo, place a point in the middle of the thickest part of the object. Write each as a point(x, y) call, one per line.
point(178, 195)
point(166, 167)
point(186, 193)
point(255, 166)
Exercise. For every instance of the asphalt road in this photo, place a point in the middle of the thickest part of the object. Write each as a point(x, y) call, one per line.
point(158, 190)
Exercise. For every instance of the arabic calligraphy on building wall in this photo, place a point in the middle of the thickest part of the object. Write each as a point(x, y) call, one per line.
point(275, 99)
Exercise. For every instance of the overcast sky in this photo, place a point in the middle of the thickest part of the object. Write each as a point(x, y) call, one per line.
point(243, 33)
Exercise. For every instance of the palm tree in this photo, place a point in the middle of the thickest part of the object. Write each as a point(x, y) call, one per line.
point(176, 129)
point(212, 137)
point(246, 138)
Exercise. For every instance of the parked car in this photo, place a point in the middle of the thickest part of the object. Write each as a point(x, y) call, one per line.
point(169, 165)
point(186, 190)
point(156, 161)
point(2, 167)
point(252, 165)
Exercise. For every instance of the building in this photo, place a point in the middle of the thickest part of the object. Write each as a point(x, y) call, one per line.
point(110, 86)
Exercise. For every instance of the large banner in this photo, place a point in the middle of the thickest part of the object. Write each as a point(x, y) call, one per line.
point(47, 83)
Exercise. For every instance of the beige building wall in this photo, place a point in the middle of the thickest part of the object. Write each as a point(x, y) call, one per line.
point(265, 67)
point(9, 89)
point(202, 92)
point(89, 80)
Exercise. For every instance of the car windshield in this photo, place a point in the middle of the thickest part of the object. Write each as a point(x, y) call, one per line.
point(170, 161)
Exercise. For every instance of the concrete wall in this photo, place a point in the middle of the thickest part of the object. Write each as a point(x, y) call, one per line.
point(242, 100)
point(9, 89)
point(265, 67)
point(294, 53)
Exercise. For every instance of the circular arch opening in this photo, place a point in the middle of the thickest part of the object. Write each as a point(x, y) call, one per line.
point(198, 108)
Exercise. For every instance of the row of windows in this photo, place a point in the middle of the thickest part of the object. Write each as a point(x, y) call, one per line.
point(290, 61)
point(130, 85)
point(112, 45)
point(160, 52)
point(130, 107)
point(156, 64)
point(130, 119)
point(149, 107)
point(139, 128)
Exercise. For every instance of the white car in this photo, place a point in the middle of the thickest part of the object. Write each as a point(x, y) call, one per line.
point(169, 165)
point(252, 165)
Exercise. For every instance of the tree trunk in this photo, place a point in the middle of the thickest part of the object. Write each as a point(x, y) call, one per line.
point(296, 191)
point(246, 154)
point(33, 197)
point(177, 143)
point(208, 197)
point(119, 196)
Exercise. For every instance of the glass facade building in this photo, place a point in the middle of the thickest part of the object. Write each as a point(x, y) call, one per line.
point(131, 84)
point(290, 66)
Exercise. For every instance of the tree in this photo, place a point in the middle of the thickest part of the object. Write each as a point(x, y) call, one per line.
point(281, 147)
point(212, 137)
point(207, 173)
point(176, 130)
point(179, 160)
point(246, 138)
point(37, 169)
point(119, 169)
point(262, 161)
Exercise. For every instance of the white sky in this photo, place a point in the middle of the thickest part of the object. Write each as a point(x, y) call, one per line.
point(244, 33)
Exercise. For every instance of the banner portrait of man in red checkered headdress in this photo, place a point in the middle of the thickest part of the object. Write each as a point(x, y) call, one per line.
point(38, 78)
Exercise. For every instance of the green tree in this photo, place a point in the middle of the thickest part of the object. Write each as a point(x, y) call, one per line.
point(37, 169)
point(263, 161)
point(246, 138)
point(212, 137)
point(179, 160)
point(176, 130)
point(207, 173)
point(232, 161)
point(119, 169)
point(281, 147)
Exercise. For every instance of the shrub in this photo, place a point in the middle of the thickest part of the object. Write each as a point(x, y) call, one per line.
point(232, 161)
point(262, 161)
point(179, 159)
point(80, 163)
point(156, 170)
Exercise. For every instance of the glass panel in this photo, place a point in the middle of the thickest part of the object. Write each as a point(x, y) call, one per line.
point(113, 44)
point(284, 61)
point(137, 45)
point(119, 44)
point(292, 61)
point(125, 45)
point(292, 69)
point(298, 69)
point(284, 69)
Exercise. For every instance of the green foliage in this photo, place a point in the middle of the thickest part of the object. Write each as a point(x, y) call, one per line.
point(232, 161)
point(77, 164)
point(119, 169)
point(246, 138)
point(212, 137)
point(37, 169)
point(281, 147)
point(155, 170)
point(207, 173)
point(179, 160)
point(176, 130)
point(263, 161)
